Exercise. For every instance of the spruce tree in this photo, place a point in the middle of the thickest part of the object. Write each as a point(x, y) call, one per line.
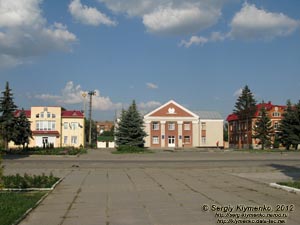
point(7, 118)
point(286, 132)
point(22, 132)
point(245, 108)
point(296, 126)
point(263, 128)
point(130, 129)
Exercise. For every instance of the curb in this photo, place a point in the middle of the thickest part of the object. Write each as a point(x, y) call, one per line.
point(286, 188)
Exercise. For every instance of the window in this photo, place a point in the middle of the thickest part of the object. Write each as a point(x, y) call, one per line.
point(74, 126)
point(171, 126)
point(155, 126)
point(187, 139)
point(53, 116)
point(203, 139)
point(45, 125)
point(65, 125)
point(74, 140)
point(155, 140)
point(48, 115)
point(65, 140)
point(276, 125)
point(187, 126)
point(42, 115)
point(276, 114)
point(203, 125)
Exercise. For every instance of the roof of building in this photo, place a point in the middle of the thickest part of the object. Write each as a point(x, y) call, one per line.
point(27, 113)
point(268, 106)
point(64, 114)
point(212, 115)
point(72, 113)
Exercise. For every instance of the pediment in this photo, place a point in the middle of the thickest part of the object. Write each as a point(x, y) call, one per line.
point(171, 109)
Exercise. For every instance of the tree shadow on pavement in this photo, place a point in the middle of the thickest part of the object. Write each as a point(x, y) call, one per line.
point(291, 171)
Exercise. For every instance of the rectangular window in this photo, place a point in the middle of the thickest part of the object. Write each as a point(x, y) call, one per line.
point(187, 139)
point(203, 139)
point(42, 115)
point(65, 125)
point(203, 125)
point(276, 125)
point(48, 115)
point(65, 140)
point(187, 126)
point(74, 126)
point(171, 126)
point(155, 126)
point(53, 116)
point(74, 140)
point(155, 140)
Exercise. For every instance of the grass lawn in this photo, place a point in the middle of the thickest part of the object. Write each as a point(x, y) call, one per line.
point(293, 184)
point(14, 204)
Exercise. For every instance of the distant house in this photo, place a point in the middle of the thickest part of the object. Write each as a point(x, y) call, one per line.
point(172, 125)
point(52, 125)
point(241, 137)
point(104, 126)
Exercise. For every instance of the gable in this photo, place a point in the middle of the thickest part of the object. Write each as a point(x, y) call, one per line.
point(171, 109)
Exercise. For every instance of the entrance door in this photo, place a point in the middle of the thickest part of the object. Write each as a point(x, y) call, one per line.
point(171, 141)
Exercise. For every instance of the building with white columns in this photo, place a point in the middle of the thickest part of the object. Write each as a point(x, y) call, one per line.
point(172, 125)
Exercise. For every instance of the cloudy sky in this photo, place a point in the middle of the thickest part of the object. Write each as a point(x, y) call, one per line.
point(198, 52)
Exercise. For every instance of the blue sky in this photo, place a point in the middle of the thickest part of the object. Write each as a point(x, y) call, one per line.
point(198, 52)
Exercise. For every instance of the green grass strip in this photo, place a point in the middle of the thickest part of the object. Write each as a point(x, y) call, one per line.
point(14, 204)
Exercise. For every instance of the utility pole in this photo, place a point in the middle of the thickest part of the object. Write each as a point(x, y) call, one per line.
point(90, 93)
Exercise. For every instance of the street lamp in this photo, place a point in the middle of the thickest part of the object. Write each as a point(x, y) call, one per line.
point(90, 93)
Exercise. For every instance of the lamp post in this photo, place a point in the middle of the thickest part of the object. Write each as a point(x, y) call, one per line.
point(84, 94)
point(90, 93)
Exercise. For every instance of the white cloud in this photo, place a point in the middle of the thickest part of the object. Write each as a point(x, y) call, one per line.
point(170, 17)
point(88, 15)
point(146, 106)
point(253, 23)
point(194, 40)
point(73, 94)
point(24, 32)
point(151, 85)
point(184, 20)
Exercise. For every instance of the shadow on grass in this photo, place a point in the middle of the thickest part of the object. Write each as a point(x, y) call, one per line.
point(291, 171)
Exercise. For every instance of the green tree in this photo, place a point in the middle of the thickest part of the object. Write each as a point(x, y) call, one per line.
point(263, 128)
point(130, 128)
point(296, 126)
point(245, 108)
point(225, 132)
point(7, 118)
point(23, 133)
point(286, 132)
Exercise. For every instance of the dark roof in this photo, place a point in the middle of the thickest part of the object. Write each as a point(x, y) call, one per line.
point(209, 115)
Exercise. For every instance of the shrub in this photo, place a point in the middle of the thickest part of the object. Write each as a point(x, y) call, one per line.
point(27, 181)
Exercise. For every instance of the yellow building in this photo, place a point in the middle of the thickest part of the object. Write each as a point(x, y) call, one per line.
point(54, 126)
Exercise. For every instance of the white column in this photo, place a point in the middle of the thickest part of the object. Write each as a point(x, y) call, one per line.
point(196, 134)
point(163, 133)
point(179, 123)
point(148, 137)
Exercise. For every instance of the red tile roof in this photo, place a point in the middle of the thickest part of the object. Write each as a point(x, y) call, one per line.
point(27, 113)
point(268, 107)
point(72, 114)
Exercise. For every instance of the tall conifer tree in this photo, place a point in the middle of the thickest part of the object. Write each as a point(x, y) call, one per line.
point(245, 108)
point(263, 128)
point(23, 133)
point(7, 118)
point(130, 129)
